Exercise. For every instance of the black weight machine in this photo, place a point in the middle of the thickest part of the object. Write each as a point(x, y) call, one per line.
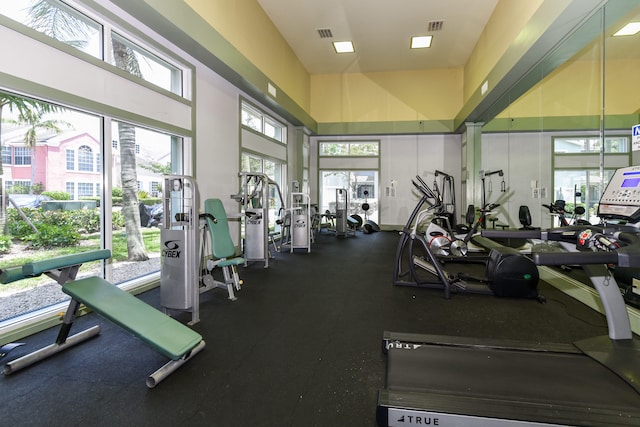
point(454, 381)
point(509, 272)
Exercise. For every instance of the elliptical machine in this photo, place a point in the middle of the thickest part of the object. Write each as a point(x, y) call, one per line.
point(515, 274)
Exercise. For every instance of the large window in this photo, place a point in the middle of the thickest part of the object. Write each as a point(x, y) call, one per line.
point(145, 65)
point(581, 188)
point(577, 176)
point(360, 148)
point(573, 145)
point(352, 166)
point(69, 25)
point(275, 170)
point(254, 119)
point(361, 186)
point(66, 158)
point(144, 154)
point(57, 20)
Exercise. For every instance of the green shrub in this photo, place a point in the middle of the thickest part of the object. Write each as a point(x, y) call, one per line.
point(116, 192)
point(81, 220)
point(5, 244)
point(19, 189)
point(150, 201)
point(50, 235)
point(16, 226)
point(37, 188)
point(117, 219)
point(57, 195)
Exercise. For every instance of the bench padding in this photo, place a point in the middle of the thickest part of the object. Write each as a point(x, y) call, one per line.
point(161, 332)
point(11, 274)
point(38, 267)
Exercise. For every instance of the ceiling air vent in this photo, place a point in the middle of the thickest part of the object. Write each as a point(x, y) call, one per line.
point(325, 33)
point(435, 25)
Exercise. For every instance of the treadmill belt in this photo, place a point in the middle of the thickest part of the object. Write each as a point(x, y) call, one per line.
point(504, 384)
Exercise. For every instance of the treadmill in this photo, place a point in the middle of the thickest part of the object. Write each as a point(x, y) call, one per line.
point(448, 381)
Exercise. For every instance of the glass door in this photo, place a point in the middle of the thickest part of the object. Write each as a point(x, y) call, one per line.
point(362, 190)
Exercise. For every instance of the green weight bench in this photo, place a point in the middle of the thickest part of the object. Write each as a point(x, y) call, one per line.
point(161, 332)
point(222, 254)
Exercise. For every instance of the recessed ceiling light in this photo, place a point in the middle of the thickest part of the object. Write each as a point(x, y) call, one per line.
point(628, 30)
point(420, 42)
point(343, 47)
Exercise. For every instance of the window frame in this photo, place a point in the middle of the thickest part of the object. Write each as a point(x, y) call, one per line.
point(85, 159)
point(55, 92)
point(280, 129)
point(176, 80)
point(7, 154)
point(587, 138)
point(23, 153)
point(349, 152)
point(180, 73)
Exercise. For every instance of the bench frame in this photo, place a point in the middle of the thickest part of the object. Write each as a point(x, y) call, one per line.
point(64, 270)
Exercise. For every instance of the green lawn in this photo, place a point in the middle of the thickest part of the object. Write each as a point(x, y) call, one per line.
point(151, 238)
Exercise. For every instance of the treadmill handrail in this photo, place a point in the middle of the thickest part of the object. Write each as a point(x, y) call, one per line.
point(623, 256)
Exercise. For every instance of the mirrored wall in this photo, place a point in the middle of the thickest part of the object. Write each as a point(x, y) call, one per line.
point(561, 138)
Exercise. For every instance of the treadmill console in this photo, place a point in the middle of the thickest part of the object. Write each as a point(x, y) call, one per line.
point(621, 198)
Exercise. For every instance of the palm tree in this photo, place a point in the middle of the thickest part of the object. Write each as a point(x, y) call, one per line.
point(58, 23)
point(61, 25)
point(21, 106)
point(125, 59)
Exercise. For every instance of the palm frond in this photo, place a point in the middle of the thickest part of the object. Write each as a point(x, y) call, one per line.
point(58, 23)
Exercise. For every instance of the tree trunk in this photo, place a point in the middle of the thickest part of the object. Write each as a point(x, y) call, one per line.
point(130, 209)
point(125, 60)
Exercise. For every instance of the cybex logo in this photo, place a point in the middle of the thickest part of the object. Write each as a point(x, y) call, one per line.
point(171, 249)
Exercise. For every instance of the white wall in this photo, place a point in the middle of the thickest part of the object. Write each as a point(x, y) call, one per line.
point(218, 141)
point(523, 157)
point(402, 157)
point(217, 148)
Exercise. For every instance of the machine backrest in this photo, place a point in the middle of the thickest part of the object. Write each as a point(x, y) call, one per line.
point(221, 244)
point(525, 216)
point(471, 214)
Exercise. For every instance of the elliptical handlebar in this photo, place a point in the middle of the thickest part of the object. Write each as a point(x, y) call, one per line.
point(426, 191)
point(489, 207)
point(555, 209)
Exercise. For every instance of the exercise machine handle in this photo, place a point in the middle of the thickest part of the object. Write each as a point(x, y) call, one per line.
point(506, 234)
point(564, 258)
point(209, 216)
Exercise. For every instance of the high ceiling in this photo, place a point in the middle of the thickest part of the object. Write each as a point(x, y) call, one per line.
point(381, 31)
